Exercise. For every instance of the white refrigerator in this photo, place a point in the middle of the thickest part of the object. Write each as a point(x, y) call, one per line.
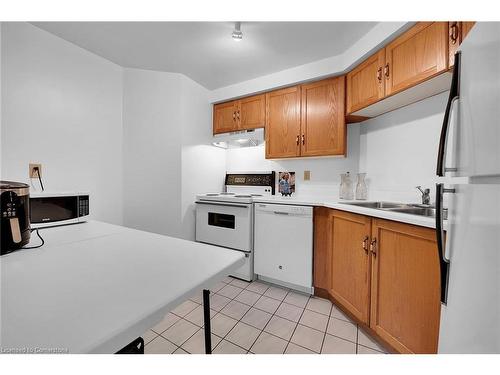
point(469, 162)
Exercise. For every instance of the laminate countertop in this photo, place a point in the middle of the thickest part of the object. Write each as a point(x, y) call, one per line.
point(329, 202)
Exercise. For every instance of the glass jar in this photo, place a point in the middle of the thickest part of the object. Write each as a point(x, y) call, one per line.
point(361, 189)
point(346, 187)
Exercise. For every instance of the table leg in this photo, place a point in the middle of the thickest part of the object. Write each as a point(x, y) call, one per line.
point(206, 319)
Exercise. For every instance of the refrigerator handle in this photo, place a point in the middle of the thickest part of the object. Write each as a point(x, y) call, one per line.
point(444, 263)
point(454, 95)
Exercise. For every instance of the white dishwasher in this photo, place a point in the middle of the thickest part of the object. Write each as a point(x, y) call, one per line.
point(283, 245)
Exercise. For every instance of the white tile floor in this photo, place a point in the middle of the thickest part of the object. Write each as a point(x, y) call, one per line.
point(259, 318)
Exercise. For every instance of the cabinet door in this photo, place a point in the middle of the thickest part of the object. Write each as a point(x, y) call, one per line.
point(323, 118)
point(365, 83)
point(466, 27)
point(350, 263)
point(322, 250)
point(405, 296)
point(225, 117)
point(454, 40)
point(283, 123)
point(418, 54)
point(252, 112)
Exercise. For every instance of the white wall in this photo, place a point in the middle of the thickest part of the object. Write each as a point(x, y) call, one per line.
point(62, 107)
point(203, 165)
point(325, 171)
point(399, 149)
point(167, 156)
point(151, 151)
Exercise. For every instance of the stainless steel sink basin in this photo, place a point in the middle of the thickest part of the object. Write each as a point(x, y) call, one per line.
point(411, 209)
point(378, 205)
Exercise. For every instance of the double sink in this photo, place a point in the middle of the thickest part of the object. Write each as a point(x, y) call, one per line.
point(411, 209)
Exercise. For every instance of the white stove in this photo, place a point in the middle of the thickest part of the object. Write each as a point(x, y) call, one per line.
point(226, 219)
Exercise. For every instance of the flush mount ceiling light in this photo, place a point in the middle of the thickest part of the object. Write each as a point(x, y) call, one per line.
point(237, 34)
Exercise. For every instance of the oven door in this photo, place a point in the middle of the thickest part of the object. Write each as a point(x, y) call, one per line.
point(224, 224)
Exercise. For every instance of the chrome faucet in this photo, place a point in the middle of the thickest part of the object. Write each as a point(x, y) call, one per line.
point(426, 195)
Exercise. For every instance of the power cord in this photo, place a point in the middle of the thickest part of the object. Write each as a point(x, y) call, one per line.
point(39, 178)
point(37, 246)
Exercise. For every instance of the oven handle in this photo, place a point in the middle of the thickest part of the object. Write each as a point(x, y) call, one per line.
point(223, 204)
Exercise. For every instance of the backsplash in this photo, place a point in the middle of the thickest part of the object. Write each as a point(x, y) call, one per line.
point(397, 151)
point(325, 171)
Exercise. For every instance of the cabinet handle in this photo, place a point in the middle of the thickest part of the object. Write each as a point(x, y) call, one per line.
point(373, 247)
point(379, 74)
point(303, 139)
point(365, 244)
point(297, 140)
point(386, 70)
point(454, 33)
point(234, 116)
point(238, 115)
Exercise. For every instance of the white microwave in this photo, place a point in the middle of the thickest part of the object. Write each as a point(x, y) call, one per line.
point(51, 209)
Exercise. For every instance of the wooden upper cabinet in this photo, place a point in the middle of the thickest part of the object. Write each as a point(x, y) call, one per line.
point(323, 118)
point(350, 262)
point(283, 123)
point(225, 117)
point(365, 83)
point(242, 114)
point(457, 31)
point(251, 112)
point(418, 54)
point(405, 291)
point(454, 40)
point(322, 250)
point(466, 27)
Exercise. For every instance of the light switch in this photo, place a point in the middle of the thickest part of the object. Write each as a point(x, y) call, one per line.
point(307, 175)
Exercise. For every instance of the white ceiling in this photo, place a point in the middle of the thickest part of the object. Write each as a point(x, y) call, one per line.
point(205, 51)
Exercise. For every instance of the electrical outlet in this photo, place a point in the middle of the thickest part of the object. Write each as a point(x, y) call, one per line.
point(33, 173)
point(307, 175)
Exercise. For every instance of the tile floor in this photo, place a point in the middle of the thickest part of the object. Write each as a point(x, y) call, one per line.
point(259, 318)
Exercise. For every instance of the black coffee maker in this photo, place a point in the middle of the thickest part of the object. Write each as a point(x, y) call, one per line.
point(15, 216)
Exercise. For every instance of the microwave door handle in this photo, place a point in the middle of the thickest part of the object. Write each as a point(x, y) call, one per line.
point(454, 95)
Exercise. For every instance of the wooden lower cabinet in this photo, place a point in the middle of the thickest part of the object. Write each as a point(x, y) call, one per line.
point(405, 297)
point(350, 262)
point(385, 274)
point(322, 250)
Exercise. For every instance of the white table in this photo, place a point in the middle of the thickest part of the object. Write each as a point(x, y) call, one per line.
point(95, 287)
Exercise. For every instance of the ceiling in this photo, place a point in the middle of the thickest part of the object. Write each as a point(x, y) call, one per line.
point(205, 51)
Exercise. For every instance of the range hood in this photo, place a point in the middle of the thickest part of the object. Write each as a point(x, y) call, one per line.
point(238, 139)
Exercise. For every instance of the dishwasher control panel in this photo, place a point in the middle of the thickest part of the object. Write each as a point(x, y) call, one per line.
point(285, 209)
